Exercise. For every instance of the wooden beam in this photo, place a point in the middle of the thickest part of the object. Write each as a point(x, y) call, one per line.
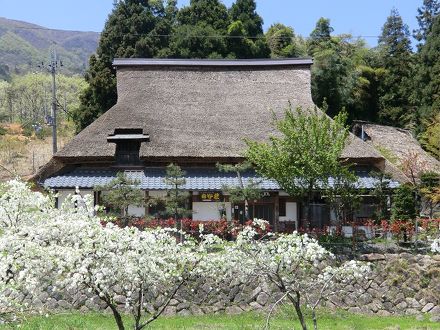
point(276, 218)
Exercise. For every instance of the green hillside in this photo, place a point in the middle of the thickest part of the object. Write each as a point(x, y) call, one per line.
point(23, 46)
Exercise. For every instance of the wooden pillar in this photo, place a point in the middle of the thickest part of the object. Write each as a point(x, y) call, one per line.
point(147, 204)
point(276, 218)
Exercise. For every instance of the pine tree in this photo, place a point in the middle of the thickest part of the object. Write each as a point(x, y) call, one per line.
point(396, 55)
point(135, 28)
point(176, 199)
point(244, 192)
point(120, 193)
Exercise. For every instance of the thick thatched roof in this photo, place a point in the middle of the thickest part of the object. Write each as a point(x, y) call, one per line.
point(396, 144)
point(200, 108)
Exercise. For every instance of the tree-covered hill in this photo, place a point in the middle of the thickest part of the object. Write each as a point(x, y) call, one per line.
point(23, 46)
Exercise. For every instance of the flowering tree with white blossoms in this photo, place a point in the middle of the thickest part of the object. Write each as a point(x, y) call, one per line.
point(302, 270)
point(435, 246)
point(70, 248)
point(19, 206)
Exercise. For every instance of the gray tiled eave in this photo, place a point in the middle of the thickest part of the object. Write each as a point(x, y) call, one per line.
point(153, 179)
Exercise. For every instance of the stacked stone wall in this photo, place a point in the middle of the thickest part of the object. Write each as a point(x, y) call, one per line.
point(401, 284)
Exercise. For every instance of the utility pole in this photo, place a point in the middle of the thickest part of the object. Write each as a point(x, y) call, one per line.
point(53, 70)
point(52, 119)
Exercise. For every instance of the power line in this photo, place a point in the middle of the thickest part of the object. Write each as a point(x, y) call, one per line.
point(187, 36)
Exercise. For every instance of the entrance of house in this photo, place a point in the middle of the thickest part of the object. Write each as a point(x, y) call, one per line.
point(319, 217)
point(261, 211)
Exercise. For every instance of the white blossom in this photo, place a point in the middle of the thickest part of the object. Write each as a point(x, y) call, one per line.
point(435, 246)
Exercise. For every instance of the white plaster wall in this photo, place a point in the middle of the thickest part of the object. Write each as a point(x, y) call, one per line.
point(348, 231)
point(62, 194)
point(291, 212)
point(205, 211)
point(136, 211)
point(157, 193)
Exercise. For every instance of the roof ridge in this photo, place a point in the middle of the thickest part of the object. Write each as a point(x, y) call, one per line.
point(119, 62)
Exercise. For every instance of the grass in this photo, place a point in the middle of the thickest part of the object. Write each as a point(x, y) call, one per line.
point(246, 321)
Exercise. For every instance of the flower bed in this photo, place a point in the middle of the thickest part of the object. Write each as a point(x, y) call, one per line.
point(221, 228)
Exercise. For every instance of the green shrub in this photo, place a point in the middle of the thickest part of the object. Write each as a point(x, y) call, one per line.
point(404, 203)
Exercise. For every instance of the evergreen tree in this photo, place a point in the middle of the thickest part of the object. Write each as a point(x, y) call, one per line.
point(246, 31)
point(428, 76)
point(135, 28)
point(200, 30)
point(246, 12)
point(244, 192)
point(396, 54)
point(381, 193)
point(176, 199)
point(320, 34)
point(426, 15)
point(404, 204)
point(120, 193)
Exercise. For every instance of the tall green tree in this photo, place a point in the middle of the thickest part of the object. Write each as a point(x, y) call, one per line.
point(200, 30)
point(304, 155)
point(245, 33)
point(428, 76)
point(425, 17)
point(135, 28)
point(396, 56)
point(246, 12)
point(320, 34)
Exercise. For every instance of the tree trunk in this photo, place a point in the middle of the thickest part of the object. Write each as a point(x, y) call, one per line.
point(246, 210)
point(297, 304)
point(315, 321)
point(138, 314)
point(308, 211)
point(117, 317)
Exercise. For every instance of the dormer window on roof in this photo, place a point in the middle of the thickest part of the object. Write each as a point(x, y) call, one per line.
point(128, 143)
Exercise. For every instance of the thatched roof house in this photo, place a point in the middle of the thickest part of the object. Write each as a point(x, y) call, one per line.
point(397, 145)
point(194, 113)
point(199, 110)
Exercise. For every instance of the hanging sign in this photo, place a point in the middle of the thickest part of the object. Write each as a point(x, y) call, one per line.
point(210, 196)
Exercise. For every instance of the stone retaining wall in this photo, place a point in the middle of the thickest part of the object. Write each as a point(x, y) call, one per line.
point(402, 284)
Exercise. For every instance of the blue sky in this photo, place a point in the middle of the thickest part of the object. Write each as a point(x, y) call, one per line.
point(358, 17)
